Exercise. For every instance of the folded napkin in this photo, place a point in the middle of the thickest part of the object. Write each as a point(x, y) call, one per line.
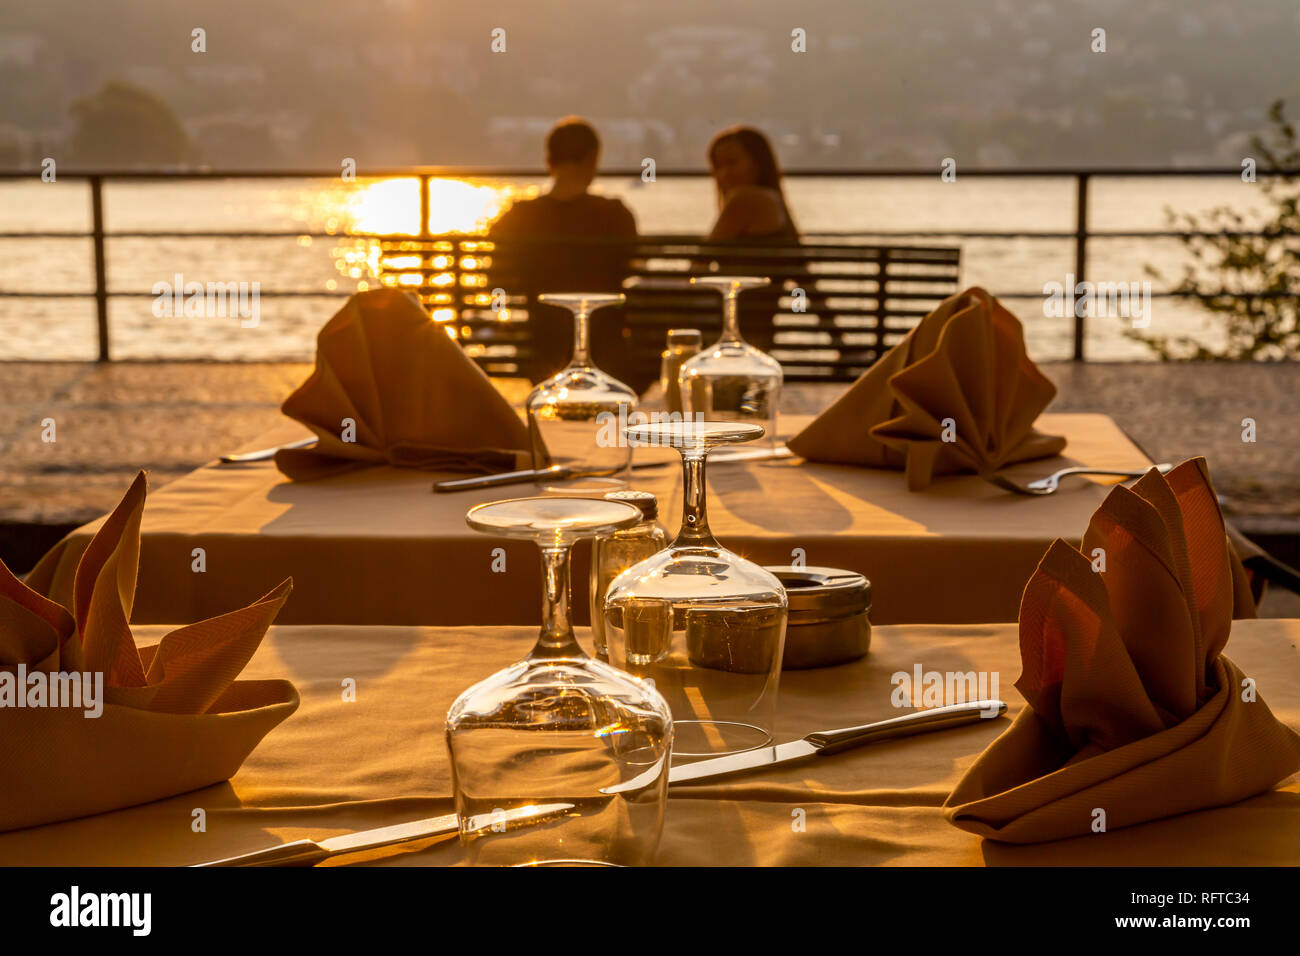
point(965, 361)
point(171, 717)
point(1133, 709)
point(412, 395)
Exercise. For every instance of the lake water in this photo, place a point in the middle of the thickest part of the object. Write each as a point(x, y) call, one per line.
point(64, 328)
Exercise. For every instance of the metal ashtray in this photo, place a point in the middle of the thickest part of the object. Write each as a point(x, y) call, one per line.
point(828, 621)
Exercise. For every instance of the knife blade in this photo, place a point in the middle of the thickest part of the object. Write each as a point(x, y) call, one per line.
point(265, 454)
point(825, 742)
point(722, 456)
point(563, 473)
point(554, 473)
point(311, 852)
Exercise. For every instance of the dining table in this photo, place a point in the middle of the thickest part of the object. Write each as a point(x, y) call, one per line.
point(378, 546)
point(366, 748)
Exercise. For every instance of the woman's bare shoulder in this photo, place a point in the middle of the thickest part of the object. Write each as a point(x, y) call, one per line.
point(749, 211)
point(754, 197)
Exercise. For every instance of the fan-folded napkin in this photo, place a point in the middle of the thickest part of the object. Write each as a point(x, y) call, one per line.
point(1134, 712)
point(94, 723)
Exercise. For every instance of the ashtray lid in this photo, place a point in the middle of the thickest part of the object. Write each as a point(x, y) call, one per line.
point(822, 593)
point(644, 500)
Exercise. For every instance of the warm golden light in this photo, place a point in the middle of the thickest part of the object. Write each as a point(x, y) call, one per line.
point(464, 206)
point(386, 207)
point(392, 208)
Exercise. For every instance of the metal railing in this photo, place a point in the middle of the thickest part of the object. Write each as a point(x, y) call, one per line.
point(1081, 234)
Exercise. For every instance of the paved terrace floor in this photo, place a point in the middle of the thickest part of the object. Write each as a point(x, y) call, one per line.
point(170, 417)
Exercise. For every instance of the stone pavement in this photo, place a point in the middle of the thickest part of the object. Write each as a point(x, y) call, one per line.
point(170, 417)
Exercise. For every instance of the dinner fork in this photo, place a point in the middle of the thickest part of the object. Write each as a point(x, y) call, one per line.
point(1052, 483)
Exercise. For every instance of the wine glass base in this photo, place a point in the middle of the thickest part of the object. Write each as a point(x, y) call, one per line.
point(568, 863)
point(764, 449)
point(716, 738)
point(582, 485)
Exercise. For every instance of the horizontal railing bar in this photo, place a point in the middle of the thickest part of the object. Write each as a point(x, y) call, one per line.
point(891, 234)
point(264, 293)
point(1272, 294)
point(514, 172)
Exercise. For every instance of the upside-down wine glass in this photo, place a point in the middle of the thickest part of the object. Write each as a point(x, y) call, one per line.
point(731, 380)
point(574, 416)
point(706, 625)
point(582, 744)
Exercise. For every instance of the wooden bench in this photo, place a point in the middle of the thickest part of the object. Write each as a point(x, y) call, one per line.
point(834, 305)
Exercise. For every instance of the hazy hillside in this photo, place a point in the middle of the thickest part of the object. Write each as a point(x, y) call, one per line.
point(883, 82)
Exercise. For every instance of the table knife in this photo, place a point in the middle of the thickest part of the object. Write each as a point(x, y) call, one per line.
point(554, 473)
point(821, 743)
point(825, 742)
point(311, 852)
point(265, 454)
point(563, 473)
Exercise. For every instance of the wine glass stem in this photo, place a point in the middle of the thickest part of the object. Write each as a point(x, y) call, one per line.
point(695, 523)
point(581, 345)
point(731, 317)
point(556, 638)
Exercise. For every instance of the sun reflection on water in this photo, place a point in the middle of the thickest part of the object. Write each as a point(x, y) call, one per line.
point(392, 207)
point(455, 205)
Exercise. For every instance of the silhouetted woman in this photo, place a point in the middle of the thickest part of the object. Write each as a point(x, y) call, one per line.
point(752, 206)
point(750, 197)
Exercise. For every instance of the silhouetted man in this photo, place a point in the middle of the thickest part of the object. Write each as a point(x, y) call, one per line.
point(543, 262)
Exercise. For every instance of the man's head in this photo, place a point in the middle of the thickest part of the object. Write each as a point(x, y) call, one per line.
point(573, 149)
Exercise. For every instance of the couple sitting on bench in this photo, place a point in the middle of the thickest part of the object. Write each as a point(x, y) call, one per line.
point(751, 206)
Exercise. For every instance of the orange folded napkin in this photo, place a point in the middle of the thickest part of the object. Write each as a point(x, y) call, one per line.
point(1134, 713)
point(90, 723)
point(964, 362)
point(390, 387)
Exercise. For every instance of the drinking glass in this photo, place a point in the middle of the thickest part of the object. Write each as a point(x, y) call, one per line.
point(615, 552)
point(575, 416)
point(706, 625)
point(731, 380)
point(682, 344)
point(584, 744)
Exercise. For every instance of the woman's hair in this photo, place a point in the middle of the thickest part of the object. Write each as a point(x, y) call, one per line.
point(759, 149)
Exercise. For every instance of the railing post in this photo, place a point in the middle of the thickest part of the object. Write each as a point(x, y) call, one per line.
point(882, 280)
point(1080, 256)
point(424, 205)
point(426, 253)
point(101, 271)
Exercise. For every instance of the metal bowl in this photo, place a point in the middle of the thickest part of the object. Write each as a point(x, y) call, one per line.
point(828, 622)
